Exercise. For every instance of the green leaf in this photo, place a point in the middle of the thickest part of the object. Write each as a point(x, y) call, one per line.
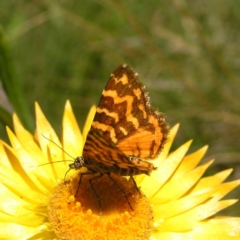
point(6, 117)
point(11, 85)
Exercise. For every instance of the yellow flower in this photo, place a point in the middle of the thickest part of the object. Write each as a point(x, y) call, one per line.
point(176, 201)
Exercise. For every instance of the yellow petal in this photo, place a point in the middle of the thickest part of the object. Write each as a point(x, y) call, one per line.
point(169, 166)
point(224, 189)
point(176, 188)
point(171, 136)
point(211, 181)
point(222, 226)
point(28, 142)
point(44, 130)
point(173, 208)
point(88, 122)
point(187, 221)
point(15, 231)
point(50, 144)
point(72, 138)
point(190, 161)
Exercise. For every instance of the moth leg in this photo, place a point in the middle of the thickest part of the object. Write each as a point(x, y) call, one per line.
point(80, 180)
point(90, 181)
point(135, 184)
point(98, 198)
point(65, 176)
point(121, 190)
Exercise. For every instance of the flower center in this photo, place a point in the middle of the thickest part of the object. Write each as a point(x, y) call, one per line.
point(80, 218)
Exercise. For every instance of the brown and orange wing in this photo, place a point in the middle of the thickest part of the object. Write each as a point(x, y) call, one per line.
point(104, 152)
point(124, 116)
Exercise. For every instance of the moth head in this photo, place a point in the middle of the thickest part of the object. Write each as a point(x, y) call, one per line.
point(78, 163)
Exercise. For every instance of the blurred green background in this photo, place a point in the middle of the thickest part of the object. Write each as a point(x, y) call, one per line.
point(186, 52)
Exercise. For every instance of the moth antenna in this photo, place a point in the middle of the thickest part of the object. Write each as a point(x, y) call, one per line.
point(54, 162)
point(60, 160)
point(59, 147)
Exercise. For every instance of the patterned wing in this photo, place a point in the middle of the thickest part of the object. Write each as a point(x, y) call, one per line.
point(103, 156)
point(124, 116)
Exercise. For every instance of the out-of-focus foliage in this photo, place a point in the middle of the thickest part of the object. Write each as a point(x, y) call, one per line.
point(11, 94)
point(186, 53)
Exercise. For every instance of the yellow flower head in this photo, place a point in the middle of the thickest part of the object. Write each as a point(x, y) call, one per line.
point(176, 202)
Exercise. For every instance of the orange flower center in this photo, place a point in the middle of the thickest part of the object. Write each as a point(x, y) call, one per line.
point(80, 218)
